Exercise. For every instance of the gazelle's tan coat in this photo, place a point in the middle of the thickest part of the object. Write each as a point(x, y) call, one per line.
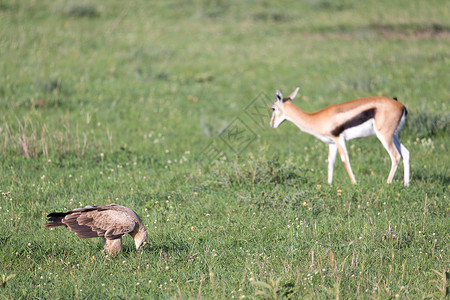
point(335, 124)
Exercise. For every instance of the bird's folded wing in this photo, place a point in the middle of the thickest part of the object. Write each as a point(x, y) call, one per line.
point(110, 224)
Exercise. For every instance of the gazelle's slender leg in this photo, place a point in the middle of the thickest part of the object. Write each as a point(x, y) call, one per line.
point(394, 154)
point(405, 156)
point(340, 143)
point(331, 159)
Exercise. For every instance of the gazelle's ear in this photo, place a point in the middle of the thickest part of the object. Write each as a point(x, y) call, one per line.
point(279, 96)
point(293, 94)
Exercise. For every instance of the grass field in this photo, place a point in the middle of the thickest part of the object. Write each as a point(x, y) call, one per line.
point(136, 103)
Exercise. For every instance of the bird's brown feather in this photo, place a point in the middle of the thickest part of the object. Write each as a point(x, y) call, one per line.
point(108, 221)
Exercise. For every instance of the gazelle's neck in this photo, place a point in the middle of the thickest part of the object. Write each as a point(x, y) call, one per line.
point(297, 116)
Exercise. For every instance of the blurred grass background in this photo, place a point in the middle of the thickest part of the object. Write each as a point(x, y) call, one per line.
point(117, 101)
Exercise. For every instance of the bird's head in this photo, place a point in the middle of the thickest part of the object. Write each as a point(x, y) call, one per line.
point(140, 238)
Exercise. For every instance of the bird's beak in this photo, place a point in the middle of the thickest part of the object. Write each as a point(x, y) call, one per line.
point(140, 248)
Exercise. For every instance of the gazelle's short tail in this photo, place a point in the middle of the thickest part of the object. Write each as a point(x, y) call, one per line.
point(402, 121)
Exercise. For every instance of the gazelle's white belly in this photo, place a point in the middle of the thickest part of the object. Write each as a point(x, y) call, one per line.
point(363, 130)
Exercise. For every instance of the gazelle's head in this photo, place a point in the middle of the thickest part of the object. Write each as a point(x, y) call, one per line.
point(278, 114)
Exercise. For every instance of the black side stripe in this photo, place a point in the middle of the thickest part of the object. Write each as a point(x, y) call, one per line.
point(357, 120)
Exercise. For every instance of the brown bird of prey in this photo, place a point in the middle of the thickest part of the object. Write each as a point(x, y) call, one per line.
point(108, 221)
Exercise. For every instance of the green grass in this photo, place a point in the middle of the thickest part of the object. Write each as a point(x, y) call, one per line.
point(124, 102)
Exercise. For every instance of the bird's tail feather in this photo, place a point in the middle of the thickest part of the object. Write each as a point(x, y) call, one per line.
point(55, 219)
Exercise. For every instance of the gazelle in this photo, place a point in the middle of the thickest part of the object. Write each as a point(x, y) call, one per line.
point(337, 123)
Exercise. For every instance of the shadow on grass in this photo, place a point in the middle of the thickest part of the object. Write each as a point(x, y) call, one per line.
point(157, 249)
point(442, 179)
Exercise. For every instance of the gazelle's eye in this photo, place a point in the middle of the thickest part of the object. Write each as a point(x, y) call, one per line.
point(273, 108)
